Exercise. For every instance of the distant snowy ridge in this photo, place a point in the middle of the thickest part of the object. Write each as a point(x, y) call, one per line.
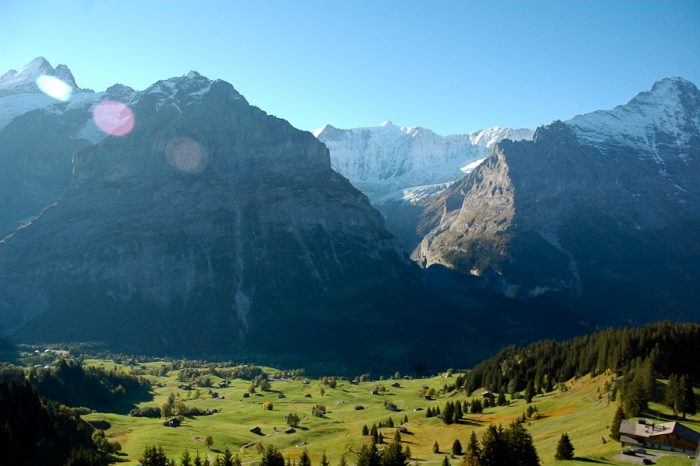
point(669, 108)
point(390, 161)
point(24, 79)
point(19, 93)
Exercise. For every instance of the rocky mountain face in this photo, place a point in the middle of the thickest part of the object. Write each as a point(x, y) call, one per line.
point(211, 227)
point(403, 169)
point(602, 211)
point(39, 137)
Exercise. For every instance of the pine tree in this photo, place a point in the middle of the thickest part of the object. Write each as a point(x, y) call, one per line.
point(473, 453)
point(477, 407)
point(448, 413)
point(617, 420)
point(380, 439)
point(529, 392)
point(198, 460)
point(565, 450)
point(304, 459)
point(186, 459)
point(445, 461)
point(457, 448)
point(393, 455)
point(374, 433)
point(368, 456)
point(397, 436)
point(687, 405)
point(324, 460)
point(271, 456)
point(227, 458)
point(494, 451)
point(501, 401)
point(672, 397)
point(365, 430)
point(458, 411)
point(436, 447)
point(521, 450)
point(343, 461)
point(153, 456)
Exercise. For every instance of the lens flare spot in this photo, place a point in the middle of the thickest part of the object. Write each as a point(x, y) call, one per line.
point(113, 117)
point(54, 87)
point(186, 155)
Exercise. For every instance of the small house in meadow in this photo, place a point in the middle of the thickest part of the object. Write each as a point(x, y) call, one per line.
point(172, 422)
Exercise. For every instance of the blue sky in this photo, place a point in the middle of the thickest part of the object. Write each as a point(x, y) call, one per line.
point(452, 66)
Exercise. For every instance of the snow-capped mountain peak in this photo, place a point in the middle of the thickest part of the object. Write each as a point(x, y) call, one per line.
point(318, 131)
point(191, 83)
point(490, 136)
point(23, 81)
point(63, 73)
point(20, 92)
point(668, 115)
point(27, 75)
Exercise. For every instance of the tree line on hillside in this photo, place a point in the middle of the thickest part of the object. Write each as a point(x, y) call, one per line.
point(667, 348)
point(36, 432)
point(71, 384)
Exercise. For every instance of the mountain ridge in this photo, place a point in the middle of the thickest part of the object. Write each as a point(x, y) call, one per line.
point(211, 227)
point(580, 208)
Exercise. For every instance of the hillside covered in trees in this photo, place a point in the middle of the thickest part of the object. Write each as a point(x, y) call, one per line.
point(664, 348)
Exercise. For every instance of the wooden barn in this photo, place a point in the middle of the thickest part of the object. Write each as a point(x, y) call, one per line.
point(669, 436)
point(173, 422)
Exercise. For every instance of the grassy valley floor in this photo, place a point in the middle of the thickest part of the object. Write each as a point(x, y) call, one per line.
point(583, 410)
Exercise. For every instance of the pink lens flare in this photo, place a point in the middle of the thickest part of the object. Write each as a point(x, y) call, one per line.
point(113, 117)
point(186, 155)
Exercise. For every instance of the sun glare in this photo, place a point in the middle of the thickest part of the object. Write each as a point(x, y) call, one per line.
point(54, 87)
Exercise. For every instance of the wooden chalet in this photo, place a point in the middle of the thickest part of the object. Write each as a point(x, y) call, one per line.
point(669, 436)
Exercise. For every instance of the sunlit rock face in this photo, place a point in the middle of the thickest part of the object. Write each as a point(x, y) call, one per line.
point(402, 170)
point(603, 209)
point(211, 227)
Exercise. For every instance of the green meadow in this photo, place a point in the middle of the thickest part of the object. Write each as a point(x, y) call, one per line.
point(583, 410)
